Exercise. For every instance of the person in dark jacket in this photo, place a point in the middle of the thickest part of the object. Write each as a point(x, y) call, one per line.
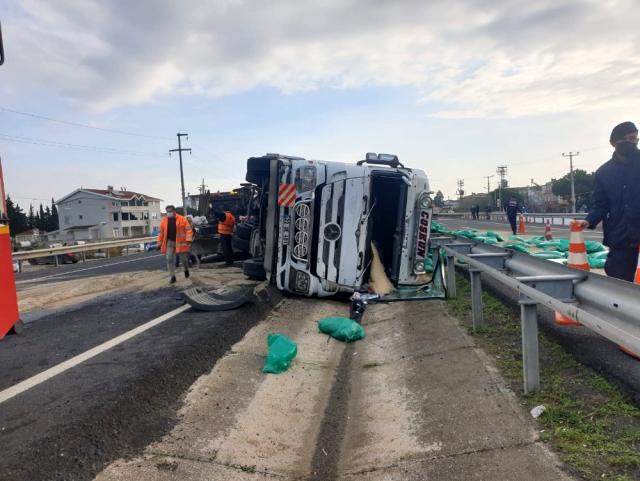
point(616, 199)
point(512, 208)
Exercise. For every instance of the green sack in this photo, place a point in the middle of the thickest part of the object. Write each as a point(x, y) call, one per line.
point(563, 245)
point(516, 238)
point(495, 235)
point(439, 228)
point(341, 328)
point(552, 244)
point(600, 255)
point(490, 240)
point(550, 254)
point(536, 240)
point(596, 263)
point(593, 246)
point(428, 264)
point(282, 350)
point(517, 247)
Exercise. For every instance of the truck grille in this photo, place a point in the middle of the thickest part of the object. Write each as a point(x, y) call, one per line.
point(302, 233)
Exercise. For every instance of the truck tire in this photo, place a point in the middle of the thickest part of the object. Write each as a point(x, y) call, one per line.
point(243, 231)
point(254, 268)
point(239, 245)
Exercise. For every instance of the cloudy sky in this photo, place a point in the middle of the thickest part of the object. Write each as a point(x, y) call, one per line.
point(454, 87)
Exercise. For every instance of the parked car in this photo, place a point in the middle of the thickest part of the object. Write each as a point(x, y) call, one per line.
point(69, 258)
point(133, 248)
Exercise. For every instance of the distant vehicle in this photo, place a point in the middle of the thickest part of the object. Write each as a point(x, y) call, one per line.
point(69, 258)
point(16, 266)
point(151, 246)
point(132, 248)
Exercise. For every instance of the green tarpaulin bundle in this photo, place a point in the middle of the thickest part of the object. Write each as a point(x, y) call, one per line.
point(465, 233)
point(516, 238)
point(550, 245)
point(600, 255)
point(594, 246)
point(516, 246)
point(282, 350)
point(595, 263)
point(550, 254)
point(341, 328)
point(495, 235)
point(439, 228)
point(536, 240)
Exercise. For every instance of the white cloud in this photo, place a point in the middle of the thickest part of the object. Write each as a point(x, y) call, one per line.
point(464, 58)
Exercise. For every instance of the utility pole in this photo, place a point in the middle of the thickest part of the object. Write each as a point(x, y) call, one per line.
point(571, 155)
point(488, 188)
point(202, 188)
point(180, 150)
point(460, 191)
point(502, 172)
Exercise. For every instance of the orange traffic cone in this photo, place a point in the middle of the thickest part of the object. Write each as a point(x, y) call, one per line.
point(636, 280)
point(521, 228)
point(547, 231)
point(577, 260)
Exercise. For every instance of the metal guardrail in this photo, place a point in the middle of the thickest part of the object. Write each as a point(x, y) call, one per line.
point(607, 306)
point(554, 219)
point(53, 251)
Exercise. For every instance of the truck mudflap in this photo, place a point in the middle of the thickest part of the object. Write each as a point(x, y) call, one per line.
point(203, 299)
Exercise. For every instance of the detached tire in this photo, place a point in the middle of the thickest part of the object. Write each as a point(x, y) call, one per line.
point(254, 268)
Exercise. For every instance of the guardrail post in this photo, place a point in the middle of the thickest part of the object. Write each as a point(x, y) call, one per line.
point(476, 298)
point(57, 262)
point(107, 249)
point(530, 358)
point(451, 276)
point(84, 256)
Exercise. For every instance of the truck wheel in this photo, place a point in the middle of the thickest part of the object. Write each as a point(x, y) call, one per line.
point(243, 231)
point(254, 268)
point(239, 245)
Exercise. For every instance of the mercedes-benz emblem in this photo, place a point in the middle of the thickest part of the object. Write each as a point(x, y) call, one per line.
point(332, 232)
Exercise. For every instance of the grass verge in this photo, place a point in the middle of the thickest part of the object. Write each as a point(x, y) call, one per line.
point(591, 424)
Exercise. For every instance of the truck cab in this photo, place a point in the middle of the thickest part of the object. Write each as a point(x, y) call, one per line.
point(318, 221)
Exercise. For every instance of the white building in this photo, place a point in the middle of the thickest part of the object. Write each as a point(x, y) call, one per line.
point(95, 214)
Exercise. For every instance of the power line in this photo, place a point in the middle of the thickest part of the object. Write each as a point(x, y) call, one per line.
point(78, 124)
point(52, 143)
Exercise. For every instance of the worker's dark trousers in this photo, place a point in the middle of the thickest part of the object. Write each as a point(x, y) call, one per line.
point(621, 263)
point(512, 221)
point(227, 250)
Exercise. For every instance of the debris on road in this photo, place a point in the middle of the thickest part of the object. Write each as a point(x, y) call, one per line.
point(341, 328)
point(282, 350)
point(537, 411)
point(204, 299)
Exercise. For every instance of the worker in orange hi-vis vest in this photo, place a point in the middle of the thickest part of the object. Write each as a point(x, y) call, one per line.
point(226, 223)
point(175, 239)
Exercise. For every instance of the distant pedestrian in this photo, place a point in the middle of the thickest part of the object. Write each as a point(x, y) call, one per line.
point(226, 223)
point(487, 211)
point(512, 208)
point(473, 212)
point(175, 240)
point(617, 203)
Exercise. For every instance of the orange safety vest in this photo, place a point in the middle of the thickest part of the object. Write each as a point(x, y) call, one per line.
point(226, 227)
point(184, 234)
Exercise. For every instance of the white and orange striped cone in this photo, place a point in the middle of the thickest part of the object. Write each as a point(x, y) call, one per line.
point(636, 280)
point(547, 231)
point(577, 260)
point(521, 227)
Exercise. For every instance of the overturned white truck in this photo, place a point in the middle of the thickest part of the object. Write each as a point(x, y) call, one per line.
point(317, 223)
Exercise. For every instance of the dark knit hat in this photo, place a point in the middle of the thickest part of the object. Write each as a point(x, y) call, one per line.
point(620, 130)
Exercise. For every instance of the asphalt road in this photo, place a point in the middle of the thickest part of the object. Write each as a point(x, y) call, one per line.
point(558, 231)
point(114, 404)
point(132, 263)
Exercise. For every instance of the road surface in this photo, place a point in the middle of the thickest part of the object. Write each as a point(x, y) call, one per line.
point(68, 427)
point(132, 263)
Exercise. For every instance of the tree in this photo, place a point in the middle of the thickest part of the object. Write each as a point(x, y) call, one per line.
point(438, 200)
point(42, 219)
point(31, 218)
point(583, 182)
point(17, 218)
point(54, 223)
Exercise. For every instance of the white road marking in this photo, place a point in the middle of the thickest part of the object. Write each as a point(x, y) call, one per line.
point(28, 281)
point(80, 358)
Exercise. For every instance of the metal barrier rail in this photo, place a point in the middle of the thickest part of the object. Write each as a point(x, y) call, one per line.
point(607, 306)
point(533, 217)
point(52, 251)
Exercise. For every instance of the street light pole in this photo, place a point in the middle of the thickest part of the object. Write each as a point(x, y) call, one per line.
point(180, 150)
point(571, 155)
